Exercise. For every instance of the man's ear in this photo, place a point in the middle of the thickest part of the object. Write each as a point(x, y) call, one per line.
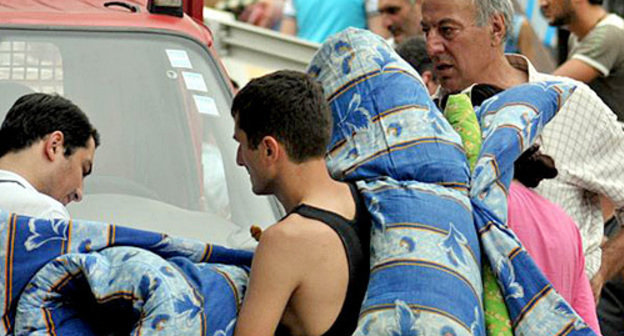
point(498, 29)
point(426, 77)
point(271, 148)
point(430, 83)
point(53, 145)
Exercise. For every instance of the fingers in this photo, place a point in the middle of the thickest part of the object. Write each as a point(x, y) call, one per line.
point(256, 232)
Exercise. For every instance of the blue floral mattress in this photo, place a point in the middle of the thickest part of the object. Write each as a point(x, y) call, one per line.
point(434, 221)
point(89, 278)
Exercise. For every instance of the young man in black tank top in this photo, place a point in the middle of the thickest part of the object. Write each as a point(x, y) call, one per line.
point(309, 272)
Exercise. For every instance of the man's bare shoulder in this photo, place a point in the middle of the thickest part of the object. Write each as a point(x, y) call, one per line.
point(300, 235)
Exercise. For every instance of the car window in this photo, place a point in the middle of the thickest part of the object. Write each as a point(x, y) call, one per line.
point(167, 158)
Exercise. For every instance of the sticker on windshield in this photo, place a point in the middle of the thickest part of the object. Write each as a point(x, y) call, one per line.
point(206, 105)
point(194, 81)
point(179, 58)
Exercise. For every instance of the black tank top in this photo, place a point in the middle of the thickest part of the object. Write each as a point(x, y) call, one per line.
point(355, 236)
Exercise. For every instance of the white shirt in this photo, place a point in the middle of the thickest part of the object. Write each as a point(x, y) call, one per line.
point(19, 196)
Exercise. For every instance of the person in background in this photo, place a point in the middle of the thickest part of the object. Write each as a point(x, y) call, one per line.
point(596, 57)
point(522, 39)
point(414, 51)
point(264, 13)
point(596, 47)
point(47, 148)
point(315, 20)
point(310, 270)
point(401, 18)
point(549, 235)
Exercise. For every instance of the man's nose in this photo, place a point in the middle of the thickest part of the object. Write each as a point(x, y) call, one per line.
point(386, 20)
point(77, 195)
point(435, 44)
point(239, 159)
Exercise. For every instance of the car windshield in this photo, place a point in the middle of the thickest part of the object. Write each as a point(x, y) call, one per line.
point(167, 158)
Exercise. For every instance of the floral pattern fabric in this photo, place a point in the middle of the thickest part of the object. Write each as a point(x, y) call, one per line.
point(431, 216)
point(64, 277)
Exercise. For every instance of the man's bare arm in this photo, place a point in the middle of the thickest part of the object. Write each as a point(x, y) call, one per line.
point(274, 277)
point(578, 70)
point(612, 263)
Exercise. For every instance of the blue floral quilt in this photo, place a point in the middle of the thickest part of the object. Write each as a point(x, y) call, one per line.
point(433, 220)
point(89, 278)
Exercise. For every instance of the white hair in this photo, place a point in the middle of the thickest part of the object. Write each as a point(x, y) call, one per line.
point(487, 8)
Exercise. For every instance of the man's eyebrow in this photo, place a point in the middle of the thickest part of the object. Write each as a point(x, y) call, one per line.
point(439, 22)
point(447, 21)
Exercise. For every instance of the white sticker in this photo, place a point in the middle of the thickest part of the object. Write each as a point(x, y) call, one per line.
point(206, 105)
point(194, 81)
point(179, 58)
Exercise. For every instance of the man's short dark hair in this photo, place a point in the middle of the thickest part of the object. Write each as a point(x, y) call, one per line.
point(35, 115)
point(289, 106)
point(596, 2)
point(414, 52)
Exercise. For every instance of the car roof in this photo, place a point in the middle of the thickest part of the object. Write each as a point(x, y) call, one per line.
point(93, 13)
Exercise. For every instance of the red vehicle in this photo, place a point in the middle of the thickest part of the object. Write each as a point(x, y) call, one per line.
point(149, 80)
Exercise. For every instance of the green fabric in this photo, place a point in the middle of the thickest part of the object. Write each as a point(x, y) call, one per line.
point(460, 114)
point(497, 321)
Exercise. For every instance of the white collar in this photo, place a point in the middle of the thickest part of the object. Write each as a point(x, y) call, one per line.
point(14, 177)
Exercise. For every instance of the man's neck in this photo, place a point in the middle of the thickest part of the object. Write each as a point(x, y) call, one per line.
point(586, 19)
point(499, 73)
point(308, 182)
point(502, 74)
point(21, 165)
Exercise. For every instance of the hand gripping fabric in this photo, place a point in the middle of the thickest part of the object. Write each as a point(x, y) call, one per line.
point(89, 278)
point(412, 171)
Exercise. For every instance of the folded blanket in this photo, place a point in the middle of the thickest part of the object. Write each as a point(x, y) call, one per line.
point(412, 171)
point(81, 277)
point(432, 217)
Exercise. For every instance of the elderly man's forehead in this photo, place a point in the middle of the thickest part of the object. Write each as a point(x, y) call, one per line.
point(449, 6)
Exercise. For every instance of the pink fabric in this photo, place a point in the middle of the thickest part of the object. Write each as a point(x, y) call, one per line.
point(553, 240)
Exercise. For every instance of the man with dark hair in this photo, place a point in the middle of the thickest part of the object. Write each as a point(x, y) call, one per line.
point(596, 47)
point(414, 52)
point(310, 270)
point(47, 147)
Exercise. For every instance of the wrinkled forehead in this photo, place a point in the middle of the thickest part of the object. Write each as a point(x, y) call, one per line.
point(437, 11)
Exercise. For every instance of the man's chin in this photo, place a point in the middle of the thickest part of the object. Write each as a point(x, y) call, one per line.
point(451, 85)
point(398, 39)
point(259, 191)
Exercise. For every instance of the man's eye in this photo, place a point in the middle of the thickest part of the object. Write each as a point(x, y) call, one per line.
point(393, 10)
point(447, 32)
point(389, 10)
